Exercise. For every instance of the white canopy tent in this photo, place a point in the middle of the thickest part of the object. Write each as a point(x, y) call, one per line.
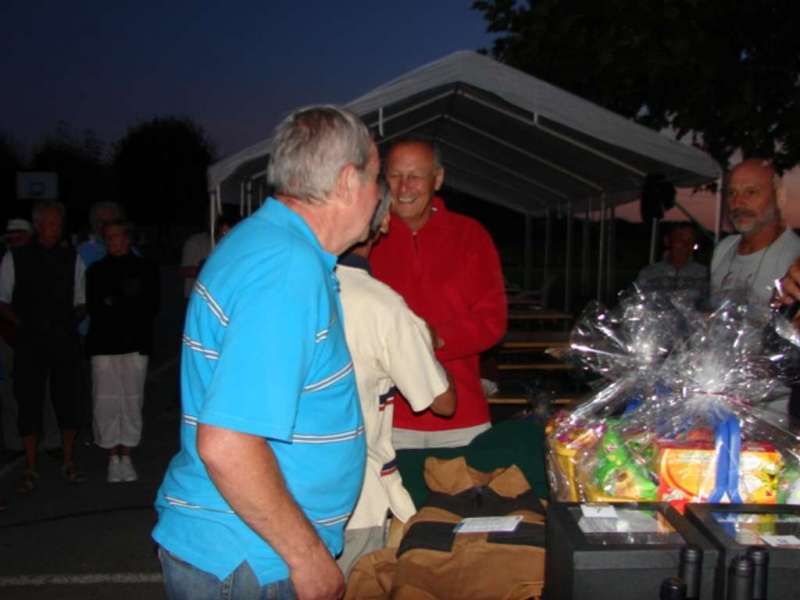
point(507, 138)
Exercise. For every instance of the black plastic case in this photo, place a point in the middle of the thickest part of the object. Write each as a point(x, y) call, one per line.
point(584, 564)
point(733, 528)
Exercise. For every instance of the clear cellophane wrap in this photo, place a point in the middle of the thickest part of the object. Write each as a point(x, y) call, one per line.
point(680, 413)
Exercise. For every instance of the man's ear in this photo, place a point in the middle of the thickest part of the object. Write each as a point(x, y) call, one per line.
point(438, 179)
point(349, 179)
point(347, 183)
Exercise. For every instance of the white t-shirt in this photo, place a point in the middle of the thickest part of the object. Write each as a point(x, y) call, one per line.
point(390, 347)
point(196, 249)
point(751, 275)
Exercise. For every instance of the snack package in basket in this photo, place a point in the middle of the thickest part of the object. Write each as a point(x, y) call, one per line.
point(680, 415)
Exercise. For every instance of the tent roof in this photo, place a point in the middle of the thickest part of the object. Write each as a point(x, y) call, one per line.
point(508, 138)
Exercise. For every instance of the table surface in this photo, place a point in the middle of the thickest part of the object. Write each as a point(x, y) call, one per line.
point(542, 314)
point(533, 340)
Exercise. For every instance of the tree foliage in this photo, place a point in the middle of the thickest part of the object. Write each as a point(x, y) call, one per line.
point(84, 176)
point(161, 169)
point(725, 73)
point(11, 160)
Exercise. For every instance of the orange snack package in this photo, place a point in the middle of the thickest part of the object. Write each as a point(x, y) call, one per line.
point(687, 472)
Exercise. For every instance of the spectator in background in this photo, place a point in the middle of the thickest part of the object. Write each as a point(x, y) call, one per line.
point(18, 233)
point(42, 294)
point(197, 247)
point(746, 265)
point(122, 292)
point(93, 249)
point(90, 251)
point(677, 272)
point(223, 226)
point(446, 268)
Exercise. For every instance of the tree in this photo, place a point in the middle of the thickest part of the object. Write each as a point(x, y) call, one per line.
point(84, 176)
point(11, 161)
point(161, 169)
point(727, 74)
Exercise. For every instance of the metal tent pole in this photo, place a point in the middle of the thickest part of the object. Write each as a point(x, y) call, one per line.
point(718, 219)
point(548, 239)
point(568, 260)
point(610, 259)
point(585, 252)
point(527, 275)
point(216, 210)
point(212, 209)
point(601, 247)
point(653, 240)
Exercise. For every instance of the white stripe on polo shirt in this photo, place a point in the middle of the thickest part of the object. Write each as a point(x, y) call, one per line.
point(184, 504)
point(198, 347)
point(330, 380)
point(330, 521)
point(213, 305)
point(307, 438)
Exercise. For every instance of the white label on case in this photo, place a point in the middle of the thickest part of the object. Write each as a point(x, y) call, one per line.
point(596, 511)
point(781, 540)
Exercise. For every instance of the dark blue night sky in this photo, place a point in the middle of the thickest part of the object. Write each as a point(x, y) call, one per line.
point(233, 67)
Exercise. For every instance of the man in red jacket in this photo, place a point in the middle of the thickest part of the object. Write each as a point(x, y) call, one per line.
point(447, 269)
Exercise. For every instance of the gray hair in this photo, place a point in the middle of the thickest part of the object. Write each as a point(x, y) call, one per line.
point(424, 141)
point(311, 146)
point(44, 206)
point(104, 205)
point(380, 211)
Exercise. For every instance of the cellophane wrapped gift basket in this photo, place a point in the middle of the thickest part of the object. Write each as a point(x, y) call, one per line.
point(680, 413)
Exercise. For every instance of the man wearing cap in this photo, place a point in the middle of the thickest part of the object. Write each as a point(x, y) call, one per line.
point(392, 350)
point(446, 268)
point(18, 233)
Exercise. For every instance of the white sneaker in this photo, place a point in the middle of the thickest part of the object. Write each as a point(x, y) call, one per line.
point(126, 470)
point(114, 469)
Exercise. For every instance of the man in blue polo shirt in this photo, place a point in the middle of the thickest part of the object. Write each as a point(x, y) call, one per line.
point(272, 440)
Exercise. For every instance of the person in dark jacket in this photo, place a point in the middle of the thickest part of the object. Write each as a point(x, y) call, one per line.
point(42, 295)
point(122, 300)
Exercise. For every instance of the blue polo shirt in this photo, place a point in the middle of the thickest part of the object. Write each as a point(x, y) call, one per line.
point(264, 353)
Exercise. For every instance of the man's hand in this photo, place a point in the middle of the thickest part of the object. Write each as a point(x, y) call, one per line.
point(436, 341)
point(247, 474)
point(790, 284)
point(317, 577)
point(789, 289)
point(445, 403)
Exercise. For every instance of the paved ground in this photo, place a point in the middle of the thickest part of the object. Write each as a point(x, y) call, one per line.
point(92, 541)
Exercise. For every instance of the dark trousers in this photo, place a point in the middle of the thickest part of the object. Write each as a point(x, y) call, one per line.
point(37, 360)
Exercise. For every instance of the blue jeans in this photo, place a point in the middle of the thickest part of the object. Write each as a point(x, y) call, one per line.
point(185, 582)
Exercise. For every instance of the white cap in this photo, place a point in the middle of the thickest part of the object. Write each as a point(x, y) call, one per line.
point(19, 225)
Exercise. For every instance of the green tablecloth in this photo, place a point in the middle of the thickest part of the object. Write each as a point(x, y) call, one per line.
point(520, 442)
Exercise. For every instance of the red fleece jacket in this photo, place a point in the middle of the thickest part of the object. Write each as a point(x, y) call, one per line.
point(449, 274)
